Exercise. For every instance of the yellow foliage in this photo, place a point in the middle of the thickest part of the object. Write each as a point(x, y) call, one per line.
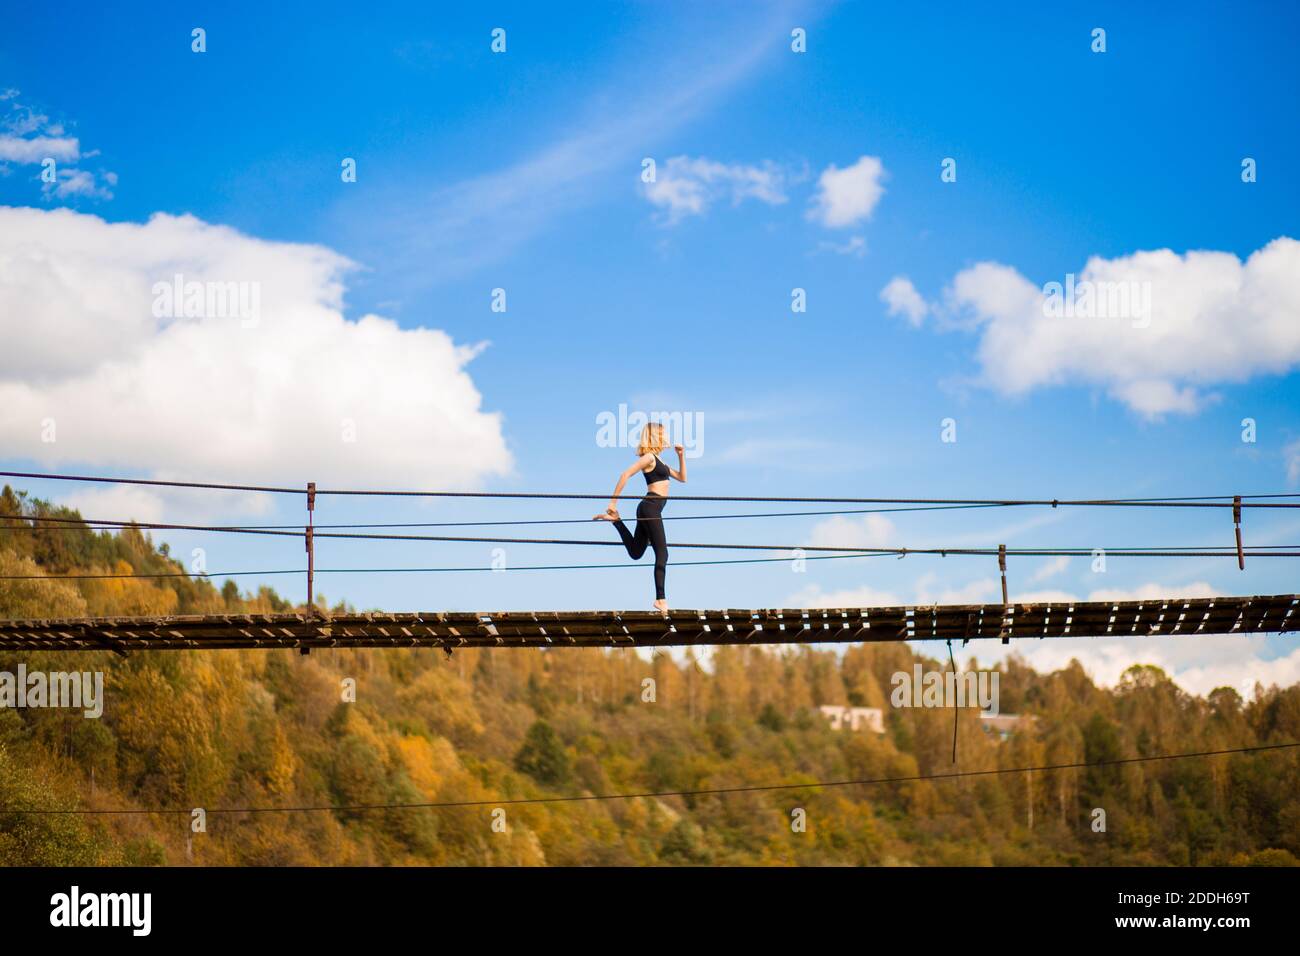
point(428, 763)
point(42, 597)
point(127, 596)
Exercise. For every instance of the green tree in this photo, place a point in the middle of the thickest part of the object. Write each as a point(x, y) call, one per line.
point(543, 756)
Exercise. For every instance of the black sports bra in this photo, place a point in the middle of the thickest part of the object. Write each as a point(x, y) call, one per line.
point(659, 472)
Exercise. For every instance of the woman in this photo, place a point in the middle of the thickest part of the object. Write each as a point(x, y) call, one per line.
point(649, 512)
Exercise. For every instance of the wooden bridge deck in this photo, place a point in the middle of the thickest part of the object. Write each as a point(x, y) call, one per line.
point(449, 630)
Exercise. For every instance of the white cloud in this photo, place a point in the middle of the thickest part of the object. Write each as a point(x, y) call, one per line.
point(430, 231)
point(31, 138)
point(79, 182)
point(1292, 454)
point(1198, 665)
point(117, 503)
point(865, 596)
point(855, 246)
point(1050, 569)
point(35, 149)
point(1151, 591)
point(848, 196)
point(1212, 319)
point(775, 452)
point(687, 187)
point(206, 396)
point(869, 531)
point(902, 299)
point(929, 588)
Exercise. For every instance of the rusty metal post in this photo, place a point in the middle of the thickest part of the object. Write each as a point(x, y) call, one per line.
point(1236, 520)
point(1002, 567)
point(311, 549)
point(310, 544)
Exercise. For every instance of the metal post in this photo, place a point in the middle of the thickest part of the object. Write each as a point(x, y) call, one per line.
point(310, 544)
point(311, 550)
point(1236, 520)
point(1002, 567)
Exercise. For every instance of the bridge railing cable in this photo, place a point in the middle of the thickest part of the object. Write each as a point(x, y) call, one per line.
point(1196, 501)
point(1138, 551)
point(652, 795)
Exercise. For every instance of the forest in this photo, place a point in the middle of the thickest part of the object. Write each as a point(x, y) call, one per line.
point(351, 738)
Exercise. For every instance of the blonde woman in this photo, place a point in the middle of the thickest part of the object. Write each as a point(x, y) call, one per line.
point(650, 510)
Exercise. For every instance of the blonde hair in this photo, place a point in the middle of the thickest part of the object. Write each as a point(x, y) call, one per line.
point(653, 439)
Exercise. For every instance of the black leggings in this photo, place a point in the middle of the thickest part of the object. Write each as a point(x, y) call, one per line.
point(649, 531)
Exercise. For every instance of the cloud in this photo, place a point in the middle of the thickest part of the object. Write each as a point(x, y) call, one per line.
point(79, 182)
point(442, 230)
point(16, 149)
point(1292, 454)
point(864, 596)
point(1152, 591)
point(687, 187)
point(855, 246)
point(848, 196)
point(286, 391)
point(117, 503)
point(1049, 569)
point(869, 531)
point(1209, 319)
point(902, 299)
point(929, 588)
point(1198, 665)
point(31, 138)
point(773, 452)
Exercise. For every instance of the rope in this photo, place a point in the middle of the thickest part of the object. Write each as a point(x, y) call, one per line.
point(1201, 501)
point(712, 791)
point(527, 567)
point(111, 523)
point(1173, 552)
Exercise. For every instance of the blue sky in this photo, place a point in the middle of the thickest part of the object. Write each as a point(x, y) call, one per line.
point(522, 171)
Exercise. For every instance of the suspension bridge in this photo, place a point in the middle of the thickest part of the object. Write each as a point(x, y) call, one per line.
point(317, 628)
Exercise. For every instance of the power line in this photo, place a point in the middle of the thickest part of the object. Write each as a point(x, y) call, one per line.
point(712, 791)
point(1188, 502)
point(109, 524)
point(283, 531)
point(212, 486)
point(1176, 552)
point(203, 575)
point(527, 567)
point(113, 524)
point(901, 552)
point(1201, 501)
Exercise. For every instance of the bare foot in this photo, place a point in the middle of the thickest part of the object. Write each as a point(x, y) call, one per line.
point(661, 606)
point(610, 514)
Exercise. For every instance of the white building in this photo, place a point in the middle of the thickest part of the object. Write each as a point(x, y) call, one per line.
point(1004, 725)
point(855, 718)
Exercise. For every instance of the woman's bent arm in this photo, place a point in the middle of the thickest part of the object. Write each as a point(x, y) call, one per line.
point(680, 472)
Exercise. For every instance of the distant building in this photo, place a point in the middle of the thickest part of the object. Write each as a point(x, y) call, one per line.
point(855, 718)
point(1004, 725)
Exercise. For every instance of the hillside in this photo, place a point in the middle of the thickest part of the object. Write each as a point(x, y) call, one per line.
point(271, 729)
